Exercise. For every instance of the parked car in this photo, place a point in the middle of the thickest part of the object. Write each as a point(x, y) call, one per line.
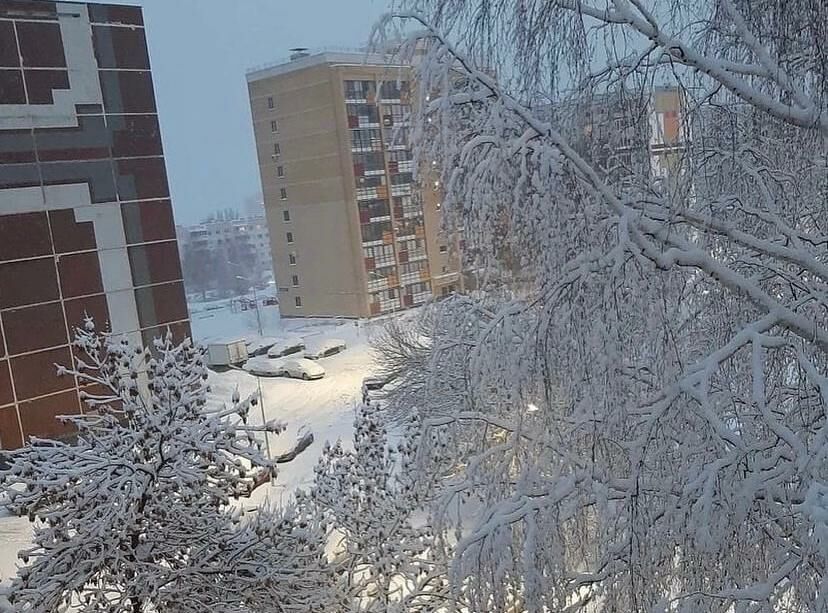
point(270, 301)
point(371, 387)
point(286, 346)
point(374, 383)
point(325, 348)
point(262, 366)
point(298, 368)
point(259, 345)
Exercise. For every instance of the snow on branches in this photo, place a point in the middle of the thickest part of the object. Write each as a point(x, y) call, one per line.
point(383, 553)
point(643, 426)
point(134, 515)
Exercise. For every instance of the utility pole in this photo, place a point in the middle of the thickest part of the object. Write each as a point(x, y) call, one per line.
point(258, 378)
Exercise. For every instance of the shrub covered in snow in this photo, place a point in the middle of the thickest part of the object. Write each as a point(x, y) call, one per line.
point(135, 514)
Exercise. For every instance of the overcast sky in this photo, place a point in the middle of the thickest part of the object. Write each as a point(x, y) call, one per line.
point(200, 50)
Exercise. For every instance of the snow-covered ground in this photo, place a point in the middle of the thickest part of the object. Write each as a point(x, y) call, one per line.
point(325, 407)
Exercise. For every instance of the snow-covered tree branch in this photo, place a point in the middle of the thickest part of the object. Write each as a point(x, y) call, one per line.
point(643, 428)
point(135, 514)
point(384, 555)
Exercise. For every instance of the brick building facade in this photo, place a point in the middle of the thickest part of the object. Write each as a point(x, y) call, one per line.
point(86, 223)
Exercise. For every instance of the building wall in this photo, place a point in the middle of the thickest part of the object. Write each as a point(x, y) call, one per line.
point(443, 248)
point(365, 238)
point(669, 133)
point(86, 224)
point(309, 132)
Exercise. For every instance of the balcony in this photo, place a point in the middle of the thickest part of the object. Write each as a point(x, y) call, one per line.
point(422, 297)
point(376, 285)
point(410, 277)
point(401, 190)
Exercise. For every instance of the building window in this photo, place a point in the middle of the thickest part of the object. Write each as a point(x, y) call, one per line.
point(392, 293)
point(274, 126)
point(295, 280)
point(443, 248)
point(292, 259)
point(289, 236)
point(286, 215)
point(360, 90)
point(270, 103)
point(298, 302)
point(277, 150)
point(280, 171)
point(283, 193)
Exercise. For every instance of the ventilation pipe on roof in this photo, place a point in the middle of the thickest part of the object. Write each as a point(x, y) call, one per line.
point(298, 53)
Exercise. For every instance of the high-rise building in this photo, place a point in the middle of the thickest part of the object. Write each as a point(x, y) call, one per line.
point(86, 224)
point(352, 233)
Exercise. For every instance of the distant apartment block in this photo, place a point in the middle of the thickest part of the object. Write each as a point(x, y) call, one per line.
point(670, 132)
point(247, 237)
point(625, 134)
point(352, 233)
point(86, 224)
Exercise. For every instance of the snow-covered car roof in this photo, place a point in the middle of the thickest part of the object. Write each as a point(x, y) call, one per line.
point(282, 344)
point(309, 365)
point(260, 342)
point(325, 343)
point(263, 365)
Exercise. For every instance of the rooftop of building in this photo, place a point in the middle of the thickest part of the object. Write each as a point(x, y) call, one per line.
point(303, 58)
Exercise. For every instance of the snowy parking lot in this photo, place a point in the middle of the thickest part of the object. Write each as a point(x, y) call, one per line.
point(324, 407)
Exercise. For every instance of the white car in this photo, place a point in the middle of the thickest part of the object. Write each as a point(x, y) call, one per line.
point(298, 368)
point(325, 348)
point(264, 367)
point(286, 346)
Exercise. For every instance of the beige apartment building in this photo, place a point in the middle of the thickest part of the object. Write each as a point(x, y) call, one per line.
point(352, 232)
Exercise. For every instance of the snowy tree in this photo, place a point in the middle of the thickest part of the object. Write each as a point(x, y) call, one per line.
point(198, 265)
point(383, 553)
point(135, 515)
point(643, 429)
